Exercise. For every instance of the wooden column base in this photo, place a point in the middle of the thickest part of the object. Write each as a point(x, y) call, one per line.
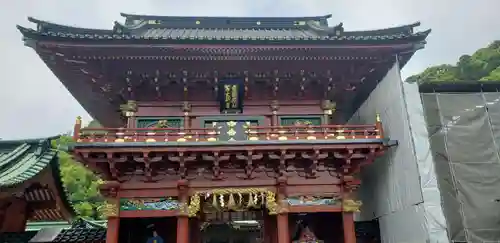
point(283, 231)
point(348, 225)
point(113, 230)
point(182, 229)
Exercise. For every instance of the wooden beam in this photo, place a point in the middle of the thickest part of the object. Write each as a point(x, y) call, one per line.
point(314, 208)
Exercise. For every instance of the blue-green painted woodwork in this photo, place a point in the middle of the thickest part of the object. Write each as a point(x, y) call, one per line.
point(312, 201)
point(151, 122)
point(148, 204)
point(304, 120)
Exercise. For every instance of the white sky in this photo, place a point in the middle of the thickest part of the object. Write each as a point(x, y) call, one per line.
point(35, 103)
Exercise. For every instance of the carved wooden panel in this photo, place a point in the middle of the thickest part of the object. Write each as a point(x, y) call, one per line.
point(298, 120)
point(159, 122)
point(148, 204)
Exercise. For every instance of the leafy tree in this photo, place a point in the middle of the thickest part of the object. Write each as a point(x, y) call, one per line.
point(483, 65)
point(81, 184)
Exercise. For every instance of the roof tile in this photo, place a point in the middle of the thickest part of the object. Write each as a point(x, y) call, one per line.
point(139, 27)
point(22, 160)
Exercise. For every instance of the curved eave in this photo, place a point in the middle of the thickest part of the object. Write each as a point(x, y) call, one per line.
point(30, 140)
point(66, 207)
point(19, 148)
point(159, 17)
point(341, 39)
point(41, 25)
point(28, 159)
point(408, 29)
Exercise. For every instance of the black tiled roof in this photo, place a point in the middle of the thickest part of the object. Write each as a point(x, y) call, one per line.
point(81, 230)
point(226, 29)
point(22, 237)
point(75, 235)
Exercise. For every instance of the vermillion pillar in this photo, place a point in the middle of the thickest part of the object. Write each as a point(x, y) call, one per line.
point(182, 229)
point(282, 217)
point(113, 229)
point(283, 231)
point(182, 217)
point(348, 225)
point(15, 216)
point(111, 210)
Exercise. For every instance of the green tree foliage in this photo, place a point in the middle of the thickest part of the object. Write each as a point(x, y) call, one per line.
point(82, 186)
point(483, 65)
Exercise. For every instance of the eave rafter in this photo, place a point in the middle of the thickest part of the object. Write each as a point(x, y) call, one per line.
point(159, 164)
point(87, 82)
point(113, 80)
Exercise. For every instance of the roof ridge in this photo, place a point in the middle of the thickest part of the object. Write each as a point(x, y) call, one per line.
point(407, 28)
point(28, 140)
point(148, 17)
point(41, 24)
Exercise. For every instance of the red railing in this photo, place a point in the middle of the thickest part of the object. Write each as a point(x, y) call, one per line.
point(253, 133)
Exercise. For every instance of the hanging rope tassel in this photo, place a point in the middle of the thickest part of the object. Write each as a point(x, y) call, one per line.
point(214, 201)
point(250, 200)
point(231, 203)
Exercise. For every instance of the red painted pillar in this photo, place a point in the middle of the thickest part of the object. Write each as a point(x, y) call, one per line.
point(15, 216)
point(182, 218)
point(77, 128)
point(113, 229)
point(348, 225)
point(182, 229)
point(283, 231)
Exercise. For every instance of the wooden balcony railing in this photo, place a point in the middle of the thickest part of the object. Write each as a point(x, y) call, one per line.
point(252, 133)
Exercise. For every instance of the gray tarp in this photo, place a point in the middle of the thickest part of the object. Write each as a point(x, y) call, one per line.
point(464, 133)
point(400, 189)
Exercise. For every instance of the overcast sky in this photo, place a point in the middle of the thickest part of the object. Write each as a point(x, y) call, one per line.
point(35, 103)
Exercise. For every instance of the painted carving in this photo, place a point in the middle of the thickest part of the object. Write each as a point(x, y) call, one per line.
point(129, 109)
point(149, 204)
point(311, 201)
point(351, 206)
point(162, 124)
point(109, 210)
point(159, 123)
point(300, 121)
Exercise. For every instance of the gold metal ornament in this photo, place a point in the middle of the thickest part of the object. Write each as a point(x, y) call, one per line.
point(351, 206)
point(194, 205)
point(109, 210)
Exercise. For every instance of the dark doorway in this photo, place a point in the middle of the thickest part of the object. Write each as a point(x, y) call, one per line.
point(137, 230)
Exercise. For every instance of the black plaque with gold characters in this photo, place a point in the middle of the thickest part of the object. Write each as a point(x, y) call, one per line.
point(231, 96)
